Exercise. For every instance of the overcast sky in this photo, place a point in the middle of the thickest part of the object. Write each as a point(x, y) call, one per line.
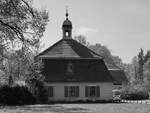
point(122, 25)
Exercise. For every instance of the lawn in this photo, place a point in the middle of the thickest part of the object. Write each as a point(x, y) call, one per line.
point(79, 108)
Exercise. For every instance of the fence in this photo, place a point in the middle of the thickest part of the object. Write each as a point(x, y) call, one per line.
point(136, 101)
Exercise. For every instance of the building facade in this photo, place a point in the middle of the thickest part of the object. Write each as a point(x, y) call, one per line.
point(73, 72)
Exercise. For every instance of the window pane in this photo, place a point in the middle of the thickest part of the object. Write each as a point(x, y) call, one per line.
point(71, 91)
point(92, 91)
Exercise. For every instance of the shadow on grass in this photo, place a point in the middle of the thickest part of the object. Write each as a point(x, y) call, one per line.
point(45, 108)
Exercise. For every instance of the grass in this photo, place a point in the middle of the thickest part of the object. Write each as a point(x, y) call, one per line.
point(79, 108)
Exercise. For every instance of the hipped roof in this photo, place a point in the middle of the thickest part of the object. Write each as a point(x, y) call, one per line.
point(118, 75)
point(69, 48)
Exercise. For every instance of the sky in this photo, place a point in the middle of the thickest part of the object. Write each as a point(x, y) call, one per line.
point(121, 25)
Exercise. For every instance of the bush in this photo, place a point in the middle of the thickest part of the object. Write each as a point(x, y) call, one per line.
point(17, 95)
point(134, 93)
point(41, 94)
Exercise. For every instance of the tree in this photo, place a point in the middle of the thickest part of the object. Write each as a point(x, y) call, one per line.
point(132, 70)
point(141, 64)
point(20, 23)
point(118, 62)
point(16, 64)
point(21, 28)
point(35, 81)
point(110, 60)
point(142, 61)
point(105, 53)
point(82, 39)
point(139, 68)
point(146, 70)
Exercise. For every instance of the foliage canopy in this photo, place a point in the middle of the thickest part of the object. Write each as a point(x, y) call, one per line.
point(21, 24)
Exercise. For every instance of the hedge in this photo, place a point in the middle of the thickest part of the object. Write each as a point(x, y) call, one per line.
point(16, 95)
point(132, 93)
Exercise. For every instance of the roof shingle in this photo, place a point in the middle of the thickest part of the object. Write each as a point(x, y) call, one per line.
point(68, 48)
point(118, 76)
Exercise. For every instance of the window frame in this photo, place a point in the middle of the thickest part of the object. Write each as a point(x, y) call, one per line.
point(71, 91)
point(50, 91)
point(89, 91)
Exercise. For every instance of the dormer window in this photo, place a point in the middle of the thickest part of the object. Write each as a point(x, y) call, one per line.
point(70, 68)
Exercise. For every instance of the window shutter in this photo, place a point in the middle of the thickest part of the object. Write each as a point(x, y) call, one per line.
point(86, 91)
point(98, 91)
point(77, 91)
point(66, 91)
point(50, 91)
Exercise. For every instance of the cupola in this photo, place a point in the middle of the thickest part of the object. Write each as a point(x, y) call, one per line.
point(67, 27)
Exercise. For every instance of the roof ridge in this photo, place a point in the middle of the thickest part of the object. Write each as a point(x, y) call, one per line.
point(63, 48)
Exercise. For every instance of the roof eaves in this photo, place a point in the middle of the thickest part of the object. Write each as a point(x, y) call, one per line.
point(63, 57)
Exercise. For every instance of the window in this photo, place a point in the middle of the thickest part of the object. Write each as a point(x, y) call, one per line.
point(92, 91)
point(71, 91)
point(70, 67)
point(67, 34)
point(50, 91)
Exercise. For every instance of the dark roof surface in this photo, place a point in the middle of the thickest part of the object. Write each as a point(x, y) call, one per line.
point(87, 70)
point(118, 76)
point(68, 48)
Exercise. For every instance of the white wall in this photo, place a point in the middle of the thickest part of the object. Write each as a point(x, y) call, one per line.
point(105, 91)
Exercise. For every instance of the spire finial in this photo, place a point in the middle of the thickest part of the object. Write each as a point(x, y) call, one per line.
point(67, 12)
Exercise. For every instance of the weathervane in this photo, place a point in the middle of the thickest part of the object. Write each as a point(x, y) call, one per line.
point(67, 12)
